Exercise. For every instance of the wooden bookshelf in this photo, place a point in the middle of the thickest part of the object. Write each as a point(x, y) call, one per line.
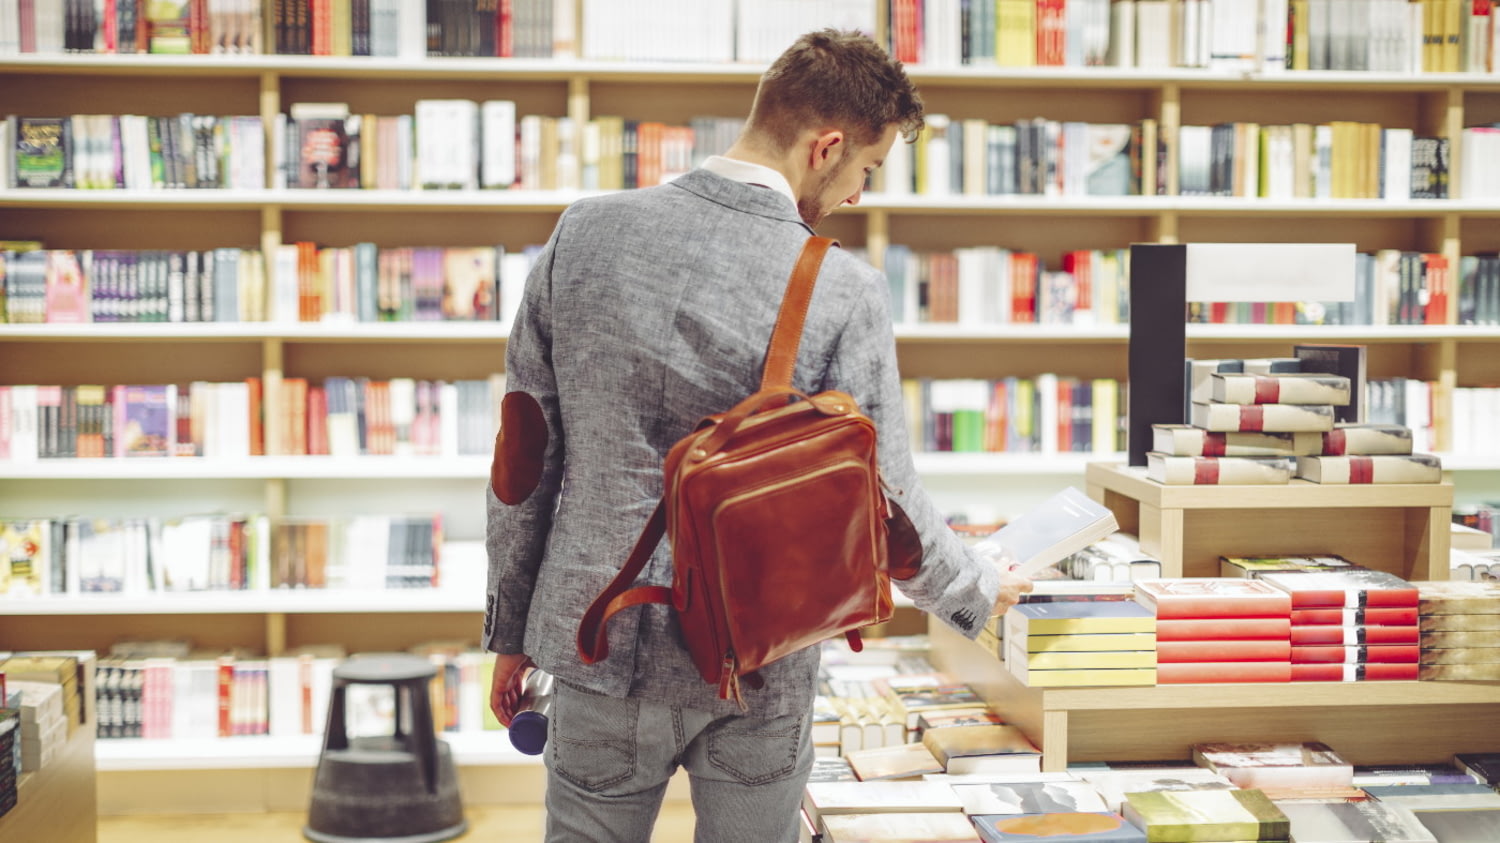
point(267, 85)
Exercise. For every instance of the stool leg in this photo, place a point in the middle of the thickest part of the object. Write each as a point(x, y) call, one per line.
point(424, 739)
point(334, 736)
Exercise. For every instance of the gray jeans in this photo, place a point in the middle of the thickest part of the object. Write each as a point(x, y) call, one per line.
point(609, 759)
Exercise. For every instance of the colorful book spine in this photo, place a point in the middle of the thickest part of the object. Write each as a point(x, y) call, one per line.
point(1273, 418)
point(1218, 471)
point(1386, 468)
point(1300, 388)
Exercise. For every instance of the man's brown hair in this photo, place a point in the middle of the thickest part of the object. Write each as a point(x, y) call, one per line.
point(839, 79)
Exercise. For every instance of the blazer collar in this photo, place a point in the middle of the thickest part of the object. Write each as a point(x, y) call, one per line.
point(750, 199)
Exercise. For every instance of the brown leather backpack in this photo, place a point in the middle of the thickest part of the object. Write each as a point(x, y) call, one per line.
point(777, 521)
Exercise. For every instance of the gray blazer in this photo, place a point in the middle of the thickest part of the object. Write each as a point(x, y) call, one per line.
point(646, 311)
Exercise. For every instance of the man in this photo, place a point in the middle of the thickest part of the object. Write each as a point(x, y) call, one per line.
point(647, 311)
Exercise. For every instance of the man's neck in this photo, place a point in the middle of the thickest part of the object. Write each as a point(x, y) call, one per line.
point(752, 154)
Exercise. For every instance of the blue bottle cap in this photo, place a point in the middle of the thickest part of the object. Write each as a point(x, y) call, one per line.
point(528, 732)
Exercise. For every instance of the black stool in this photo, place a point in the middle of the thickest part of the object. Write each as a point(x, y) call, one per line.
point(398, 788)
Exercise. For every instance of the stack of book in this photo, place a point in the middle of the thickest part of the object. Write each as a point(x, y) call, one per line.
point(1367, 617)
point(43, 728)
point(1327, 632)
point(1080, 643)
point(1219, 629)
point(1377, 452)
point(1460, 624)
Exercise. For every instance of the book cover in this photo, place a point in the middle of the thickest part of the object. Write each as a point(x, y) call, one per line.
point(1197, 673)
point(1053, 530)
point(1278, 765)
point(956, 717)
point(42, 156)
point(1212, 597)
point(1274, 418)
point(25, 558)
point(1365, 615)
point(1182, 440)
point(1254, 566)
point(1458, 597)
point(1354, 672)
point(1346, 588)
point(1019, 797)
point(899, 828)
point(1113, 784)
point(903, 761)
point(1057, 618)
point(1220, 629)
point(1250, 650)
point(1057, 827)
point(1353, 822)
point(917, 693)
point(983, 749)
point(1354, 634)
point(1458, 825)
point(1206, 815)
point(1431, 773)
point(145, 420)
point(1218, 471)
point(1381, 468)
point(823, 799)
point(1436, 796)
point(1372, 438)
point(1348, 361)
point(1355, 653)
point(1297, 388)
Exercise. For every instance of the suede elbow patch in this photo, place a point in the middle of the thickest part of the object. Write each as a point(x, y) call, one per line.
point(520, 446)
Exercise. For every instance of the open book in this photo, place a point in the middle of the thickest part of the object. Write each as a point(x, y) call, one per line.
point(1060, 526)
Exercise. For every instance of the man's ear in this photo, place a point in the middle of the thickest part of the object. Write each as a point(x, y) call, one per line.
point(827, 147)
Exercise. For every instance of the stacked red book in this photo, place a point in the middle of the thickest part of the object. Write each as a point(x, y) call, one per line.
point(1219, 629)
point(1351, 624)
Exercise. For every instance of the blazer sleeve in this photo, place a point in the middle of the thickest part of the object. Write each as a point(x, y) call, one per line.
point(953, 583)
point(526, 470)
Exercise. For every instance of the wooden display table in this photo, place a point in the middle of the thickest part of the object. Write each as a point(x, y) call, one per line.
point(1365, 722)
point(57, 803)
point(1403, 529)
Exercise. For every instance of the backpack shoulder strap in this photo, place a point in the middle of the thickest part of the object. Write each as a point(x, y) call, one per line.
point(593, 642)
point(781, 354)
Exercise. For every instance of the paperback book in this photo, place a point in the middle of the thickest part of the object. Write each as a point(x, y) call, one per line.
point(1114, 784)
point(899, 828)
point(1058, 827)
point(992, 748)
point(1276, 765)
point(1354, 822)
point(1060, 526)
point(1206, 815)
point(1018, 797)
point(1057, 618)
point(822, 799)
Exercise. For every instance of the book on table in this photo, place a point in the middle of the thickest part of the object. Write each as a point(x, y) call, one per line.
point(983, 748)
point(1278, 765)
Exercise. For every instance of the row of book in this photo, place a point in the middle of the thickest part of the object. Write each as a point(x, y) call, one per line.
point(1231, 35)
point(338, 417)
point(70, 556)
point(133, 152)
point(1047, 414)
point(302, 283)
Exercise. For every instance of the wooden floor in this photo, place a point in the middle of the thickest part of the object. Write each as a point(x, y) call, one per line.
point(517, 824)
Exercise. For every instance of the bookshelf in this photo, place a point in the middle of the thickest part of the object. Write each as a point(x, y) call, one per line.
point(993, 484)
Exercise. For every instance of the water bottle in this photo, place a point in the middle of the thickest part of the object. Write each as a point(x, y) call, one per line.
point(528, 729)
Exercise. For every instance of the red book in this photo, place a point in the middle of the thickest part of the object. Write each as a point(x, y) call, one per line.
point(1346, 588)
point(1352, 634)
point(1356, 653)
point(1375, 616)
point(1212, 597)
point(1362, 672)
point(226, 689)
point(1183, 673)
point(1250, 650)
point(1220, 629)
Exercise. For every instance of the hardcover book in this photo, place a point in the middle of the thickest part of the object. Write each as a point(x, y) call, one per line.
point(1459, 623)
point(1348, 588)
point(1085, 641)
point(1354, 672)
point(1274, 418)
point(1254, 566)
point(1354, 822)
point(1206, 815)
point(1460, 655)
point(1220, 629)
point(1366, 616)
point(1278, 765)
point(1455, 597)
point(1212, 597)
point(1355, 653)
point(1249, 650)
point(1483, 766)
point(1345, 360)
point(1183, 440)
point(1218, 471)
point(1198, 673)
point(1381, 468)
point(1354, 634)
point(989, 748)
point(1041, 797)
point(1299, 388)
point(899, 828)
point(1057, 827)
point(1366, 439)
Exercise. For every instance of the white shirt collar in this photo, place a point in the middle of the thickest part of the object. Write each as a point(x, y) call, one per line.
point(748, 173)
